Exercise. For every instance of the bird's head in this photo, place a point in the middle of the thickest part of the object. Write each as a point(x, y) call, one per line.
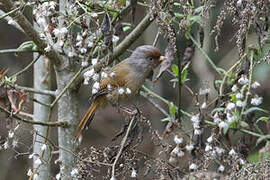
point(146, 57)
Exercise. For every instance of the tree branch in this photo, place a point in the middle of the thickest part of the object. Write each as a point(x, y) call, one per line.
point(52, 124)
point(38, 91)
point(31, 32)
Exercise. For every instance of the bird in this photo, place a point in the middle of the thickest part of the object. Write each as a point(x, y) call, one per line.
point(123, 81)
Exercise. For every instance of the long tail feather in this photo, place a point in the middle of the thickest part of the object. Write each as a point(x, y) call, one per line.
point(87, 117)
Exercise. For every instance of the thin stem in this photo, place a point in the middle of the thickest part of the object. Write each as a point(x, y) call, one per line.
point(154, 104)
point(52, 124)
point(227, 73)
point(38, 91)
point(67, 86)
point(122, 145)
point(27, 67)
point(153, 94)
point(217, 69)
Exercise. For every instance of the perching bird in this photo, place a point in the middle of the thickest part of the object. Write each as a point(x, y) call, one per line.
point(123, 81)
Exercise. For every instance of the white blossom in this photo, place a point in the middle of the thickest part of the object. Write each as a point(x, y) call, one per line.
point(89, 73)
point(242, 161)
point(204, 91)
point(38, 161)
point(196, 125)
point(31, 156)
point(48, 48)
point(115, 39)
point(95, 77)
point(208, 148)
point(84, 63)
point(74, 172)
point(256, 101)
point(231, 118)
point(255, 85)
point(175, 150)
point(234, 88)
point(41, 21)
point(232, 152)
point(219, 151)
point(133, 173)
point(239, 95)
point(210, 139)
point(79, 38)
point(193, 166)
point(243, 80)
point(230, 106)
point(222, 124)
point(195, 118)
point(128, 91)
point(190, 147)
point(29, 172)
point(180, 154)
point(121, 91)
point(96, 85)
point(104, 75)
point(94, 61)
point(204, 105)
point(6, 145)
point(14, 143)
point(43, 147)
point(90, 44)
point(58, 176)
point(10, 134)
point(11, 22)
point(93, 14)
point(177, 139)
point(221, 168)
point(94, 91)
point(240, 103)
point(63, 30)
point(83, 50)
point(172, 159)
point(197, 132)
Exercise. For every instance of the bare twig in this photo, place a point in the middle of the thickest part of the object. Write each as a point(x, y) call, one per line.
point(3, 51)
point(52, 124)
point(27, 67)
point(67, 86)
point(122, 146)
point(32, 90)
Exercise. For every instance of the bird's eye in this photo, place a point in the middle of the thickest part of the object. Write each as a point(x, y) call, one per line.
point(150, 58)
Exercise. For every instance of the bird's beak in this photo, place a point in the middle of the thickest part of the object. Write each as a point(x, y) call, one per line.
point(162, 58)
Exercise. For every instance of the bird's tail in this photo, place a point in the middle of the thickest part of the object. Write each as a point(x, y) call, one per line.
point(86, 119)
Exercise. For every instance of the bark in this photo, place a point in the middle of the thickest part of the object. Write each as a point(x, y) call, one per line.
point(41, 113)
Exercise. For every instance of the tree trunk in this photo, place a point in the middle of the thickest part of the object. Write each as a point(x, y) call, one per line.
point(42, 80)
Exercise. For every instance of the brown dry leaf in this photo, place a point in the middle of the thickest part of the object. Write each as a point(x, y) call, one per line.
point(169, 54)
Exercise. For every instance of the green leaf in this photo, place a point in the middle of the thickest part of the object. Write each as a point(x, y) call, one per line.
point(174, 80)
point(233, 98)
point(165, 119)
point(217, 110)
point(184, 74)
point(199, 9)
point(197, 19)
point(255, 109)
point(177, 4)
point(126, 28)
point(179, 15)
point(172, 109)
point(244, 124)
point(175, 70)
point(265, 119)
